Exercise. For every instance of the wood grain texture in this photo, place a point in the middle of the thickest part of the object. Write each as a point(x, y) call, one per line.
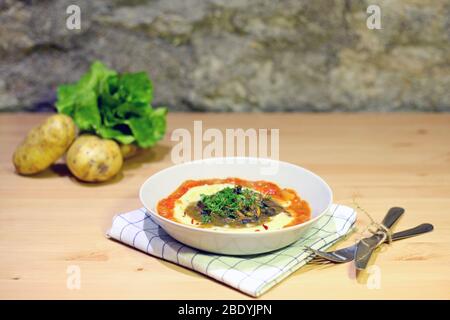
point(51, 221)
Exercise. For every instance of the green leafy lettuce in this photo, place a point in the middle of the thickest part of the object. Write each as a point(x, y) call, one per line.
point(114, 106)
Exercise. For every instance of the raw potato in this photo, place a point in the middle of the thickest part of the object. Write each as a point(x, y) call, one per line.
point(44, 144)
point(92, 159)
point(129, 150)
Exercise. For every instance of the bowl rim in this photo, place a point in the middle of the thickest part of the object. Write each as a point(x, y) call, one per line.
point(257, 234)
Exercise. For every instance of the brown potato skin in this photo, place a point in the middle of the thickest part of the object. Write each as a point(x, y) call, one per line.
point(44, 144)
point(93, 159)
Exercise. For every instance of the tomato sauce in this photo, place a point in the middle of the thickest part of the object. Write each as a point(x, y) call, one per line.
point(298, 208)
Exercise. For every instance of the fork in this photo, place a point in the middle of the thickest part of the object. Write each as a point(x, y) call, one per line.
point(348, 254)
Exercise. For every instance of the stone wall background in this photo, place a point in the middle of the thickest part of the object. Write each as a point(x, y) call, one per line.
point(227, 55)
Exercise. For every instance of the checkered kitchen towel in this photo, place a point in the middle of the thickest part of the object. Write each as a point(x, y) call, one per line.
point(252, 275)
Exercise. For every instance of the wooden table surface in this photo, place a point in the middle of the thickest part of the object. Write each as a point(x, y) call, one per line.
point(51, 222)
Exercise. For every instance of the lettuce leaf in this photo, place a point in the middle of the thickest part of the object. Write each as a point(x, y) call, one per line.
point(114, 106)
point(149, 129)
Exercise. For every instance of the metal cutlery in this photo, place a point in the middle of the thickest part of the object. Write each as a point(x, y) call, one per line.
point(366, 246)
point(348, 254)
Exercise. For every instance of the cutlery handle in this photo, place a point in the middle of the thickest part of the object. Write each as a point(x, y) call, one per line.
point(366, 246)
point(422, 228)
point(392, 216)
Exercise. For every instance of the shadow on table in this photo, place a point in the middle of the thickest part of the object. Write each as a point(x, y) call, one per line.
point(154, 154)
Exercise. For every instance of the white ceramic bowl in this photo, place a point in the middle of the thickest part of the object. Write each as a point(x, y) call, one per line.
point(308, 186)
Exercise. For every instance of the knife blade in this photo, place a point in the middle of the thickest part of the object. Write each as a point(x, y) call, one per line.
point(366, 246)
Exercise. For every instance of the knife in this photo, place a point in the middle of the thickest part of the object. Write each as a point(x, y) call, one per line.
point(366, 246)
point(348, 254)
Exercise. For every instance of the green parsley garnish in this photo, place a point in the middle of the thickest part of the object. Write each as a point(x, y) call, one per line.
point(206, 218)
point(229, 203)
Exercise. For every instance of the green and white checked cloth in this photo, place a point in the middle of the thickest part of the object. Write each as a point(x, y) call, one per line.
point(252, 275)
